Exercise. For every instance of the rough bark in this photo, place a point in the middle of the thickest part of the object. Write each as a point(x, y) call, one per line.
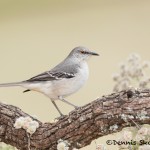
point(81, 126)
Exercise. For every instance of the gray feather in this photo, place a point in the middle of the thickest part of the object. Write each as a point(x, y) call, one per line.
point(63, 70)
point(26, 91)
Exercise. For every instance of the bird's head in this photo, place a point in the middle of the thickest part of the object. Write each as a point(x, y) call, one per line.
point(82, 53)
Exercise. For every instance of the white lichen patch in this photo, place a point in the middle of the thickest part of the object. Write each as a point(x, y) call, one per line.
point(54, 121)
point(82, 118)
point(26, 123)
point(63, 145)
point(142, 115)
point(79, 144)
point(127, 117)
point(124, 117)
point(129, 109)
point(130, 117)
point(69, 120)
point(113, 128)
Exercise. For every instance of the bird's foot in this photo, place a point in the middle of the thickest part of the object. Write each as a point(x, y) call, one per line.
point(76, 107)
point(60, 117)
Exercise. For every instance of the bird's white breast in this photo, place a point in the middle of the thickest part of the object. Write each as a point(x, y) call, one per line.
point(65, 87)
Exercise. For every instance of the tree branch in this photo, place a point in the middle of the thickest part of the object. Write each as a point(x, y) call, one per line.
point(81, 126)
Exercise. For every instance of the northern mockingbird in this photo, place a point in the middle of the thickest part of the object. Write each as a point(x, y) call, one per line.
point(63, 80)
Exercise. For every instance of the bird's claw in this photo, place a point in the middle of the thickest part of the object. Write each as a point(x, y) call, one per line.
point(76, 107)
point(60, 117)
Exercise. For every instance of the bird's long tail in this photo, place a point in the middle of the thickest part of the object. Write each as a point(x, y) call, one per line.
point(11, 84)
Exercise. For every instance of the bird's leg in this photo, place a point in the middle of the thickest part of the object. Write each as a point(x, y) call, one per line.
point(61, 114)
point(63, 100)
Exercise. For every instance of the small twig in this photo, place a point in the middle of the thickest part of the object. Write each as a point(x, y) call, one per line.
point(95, 143)
point(29, 142)
point(135, 123)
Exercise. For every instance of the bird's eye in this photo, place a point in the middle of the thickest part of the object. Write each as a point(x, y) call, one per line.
point(82, 52)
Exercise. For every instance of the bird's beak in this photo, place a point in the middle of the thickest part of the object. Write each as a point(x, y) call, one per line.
point(93, 53)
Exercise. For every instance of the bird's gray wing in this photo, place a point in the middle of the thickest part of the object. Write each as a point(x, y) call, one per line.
point(61, 71)
point(51, 76)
